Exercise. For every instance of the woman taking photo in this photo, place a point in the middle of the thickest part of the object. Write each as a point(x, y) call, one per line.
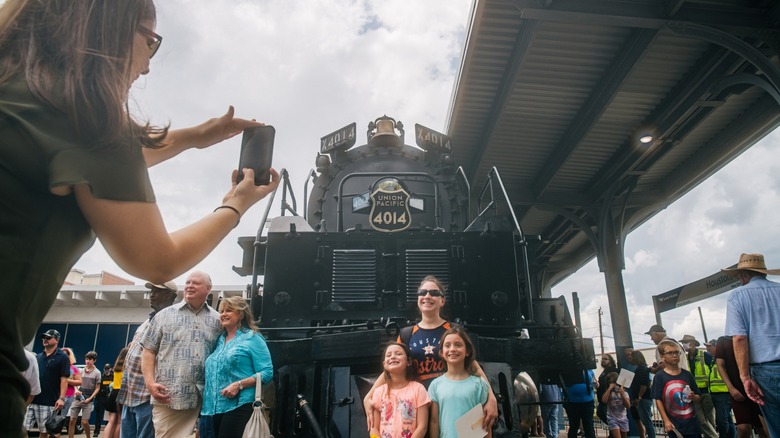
point(232, 369)
point(73, 164)
point(424, 341)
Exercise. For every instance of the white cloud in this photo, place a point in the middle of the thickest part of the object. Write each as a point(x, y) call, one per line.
point(308, 68)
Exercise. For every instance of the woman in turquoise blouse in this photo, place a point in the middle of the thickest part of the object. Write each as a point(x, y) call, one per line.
point(231, 370)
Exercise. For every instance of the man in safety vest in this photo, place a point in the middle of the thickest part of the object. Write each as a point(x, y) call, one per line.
point(705, 410)
point(720, 397)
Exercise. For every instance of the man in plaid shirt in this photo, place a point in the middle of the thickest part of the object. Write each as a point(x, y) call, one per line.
point(137, 410)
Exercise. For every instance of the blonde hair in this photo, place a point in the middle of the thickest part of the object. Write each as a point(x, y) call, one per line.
point(69, 352)
point(239, 304)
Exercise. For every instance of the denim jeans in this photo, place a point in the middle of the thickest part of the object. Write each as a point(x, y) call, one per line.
point(137, 421)
point(205, 427)
point(644, 408)
point(767, 375)
point(550, 420)
point(723, 421)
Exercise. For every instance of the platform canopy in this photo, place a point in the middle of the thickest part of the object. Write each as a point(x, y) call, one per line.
point(558, 93)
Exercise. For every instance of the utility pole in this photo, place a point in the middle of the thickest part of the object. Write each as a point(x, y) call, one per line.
point(601, 332)
point(703, 329)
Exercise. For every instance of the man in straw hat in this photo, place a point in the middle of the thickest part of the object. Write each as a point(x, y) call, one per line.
point(753, 319)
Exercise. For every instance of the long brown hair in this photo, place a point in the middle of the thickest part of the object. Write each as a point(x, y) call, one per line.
point(410, 371)
point(77, 56)
point(469, 363)
point(638, 358)
point(119, 365)
point(432, 279)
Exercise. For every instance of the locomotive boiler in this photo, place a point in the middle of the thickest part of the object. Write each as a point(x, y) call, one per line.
point(340, 280)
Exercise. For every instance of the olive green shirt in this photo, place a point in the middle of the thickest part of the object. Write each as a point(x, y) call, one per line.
point(42, 235)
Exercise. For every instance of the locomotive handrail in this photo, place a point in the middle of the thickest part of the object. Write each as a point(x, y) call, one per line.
point(285, 184)
point(462, 174)
point(287, 188)
point(339, 208)
point(493, 174)
point(312, 174)
point(493, 204)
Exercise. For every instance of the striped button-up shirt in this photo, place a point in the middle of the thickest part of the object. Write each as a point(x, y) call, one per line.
point(133, 391)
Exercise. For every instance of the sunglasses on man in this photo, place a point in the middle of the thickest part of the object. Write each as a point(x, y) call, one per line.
point(432, 292)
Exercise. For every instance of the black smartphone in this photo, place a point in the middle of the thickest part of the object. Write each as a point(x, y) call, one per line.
point(257, 149)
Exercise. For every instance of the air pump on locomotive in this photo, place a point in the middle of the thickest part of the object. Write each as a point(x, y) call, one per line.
point(340, 280)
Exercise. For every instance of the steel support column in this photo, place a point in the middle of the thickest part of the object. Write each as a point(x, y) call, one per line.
point(611, 255)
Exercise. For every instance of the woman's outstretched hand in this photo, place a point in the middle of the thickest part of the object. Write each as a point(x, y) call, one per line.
point(201, 136)
point(221, 128)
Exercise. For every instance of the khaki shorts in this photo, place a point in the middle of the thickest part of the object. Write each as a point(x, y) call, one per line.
point(83, 407)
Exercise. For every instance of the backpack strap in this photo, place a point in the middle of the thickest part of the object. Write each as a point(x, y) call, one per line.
point(406, 334)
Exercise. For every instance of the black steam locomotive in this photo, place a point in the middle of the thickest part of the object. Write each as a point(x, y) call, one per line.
point(340, 280)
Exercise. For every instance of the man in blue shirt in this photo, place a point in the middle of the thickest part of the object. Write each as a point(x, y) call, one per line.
point(752, 319)
point(579, 402)
point(54, 369)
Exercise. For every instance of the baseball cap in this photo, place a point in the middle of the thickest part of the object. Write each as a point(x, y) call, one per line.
point(711, 343)
point(168, 285)
point(656, 328)
point(51, 333)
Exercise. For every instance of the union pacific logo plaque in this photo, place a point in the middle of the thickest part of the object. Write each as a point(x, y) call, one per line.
point(390, 207)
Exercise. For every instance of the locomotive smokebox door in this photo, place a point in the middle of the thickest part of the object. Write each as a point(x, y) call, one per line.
point(390, 206)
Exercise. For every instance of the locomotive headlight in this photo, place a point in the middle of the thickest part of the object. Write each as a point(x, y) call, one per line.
point(499, 298)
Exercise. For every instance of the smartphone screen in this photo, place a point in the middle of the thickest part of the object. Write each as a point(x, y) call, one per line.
point(257, 148)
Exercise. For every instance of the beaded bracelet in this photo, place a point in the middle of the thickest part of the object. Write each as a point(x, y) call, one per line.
point(231, 208)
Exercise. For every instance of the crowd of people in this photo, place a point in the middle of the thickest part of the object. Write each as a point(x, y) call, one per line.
point(728, 389)
point(189, 364)
point(73, 167)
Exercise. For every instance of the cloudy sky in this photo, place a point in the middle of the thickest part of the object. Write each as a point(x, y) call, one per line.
point(309, 68)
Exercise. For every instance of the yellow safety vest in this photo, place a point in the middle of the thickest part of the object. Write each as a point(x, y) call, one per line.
point(700, 371)
point(716, 382)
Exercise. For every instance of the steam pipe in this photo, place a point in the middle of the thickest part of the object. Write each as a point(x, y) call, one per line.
point(308, 414)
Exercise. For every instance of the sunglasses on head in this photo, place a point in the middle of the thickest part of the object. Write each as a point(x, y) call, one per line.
point(432, 292)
